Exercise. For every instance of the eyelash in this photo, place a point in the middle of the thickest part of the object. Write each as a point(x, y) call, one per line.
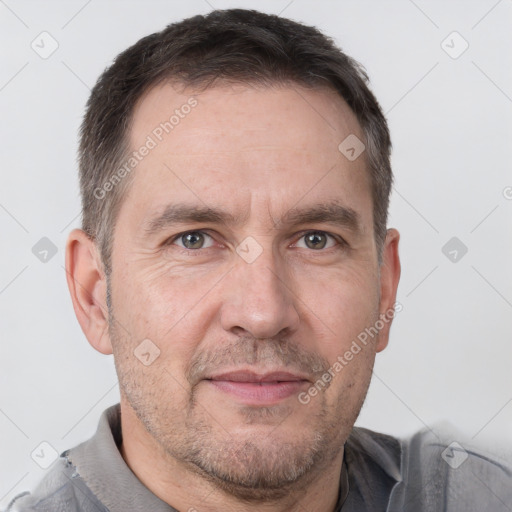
point(340, 242)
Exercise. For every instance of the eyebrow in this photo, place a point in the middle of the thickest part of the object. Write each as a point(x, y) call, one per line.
point(184, 213)
point(329, 213)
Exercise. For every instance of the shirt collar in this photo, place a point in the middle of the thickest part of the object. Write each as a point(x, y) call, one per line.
point(100, 464)
point(374, 463)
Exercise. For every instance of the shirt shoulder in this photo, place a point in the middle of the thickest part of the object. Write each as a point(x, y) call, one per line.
point(61, 490)
point(442, 470)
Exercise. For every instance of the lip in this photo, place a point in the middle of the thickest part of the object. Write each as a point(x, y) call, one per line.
point(258, 389)
point(252, 376)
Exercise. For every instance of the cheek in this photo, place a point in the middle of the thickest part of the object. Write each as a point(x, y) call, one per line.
point(167, 306)
point(342, 304)
point(155, 299)
point(351, 356)
point(350, 386)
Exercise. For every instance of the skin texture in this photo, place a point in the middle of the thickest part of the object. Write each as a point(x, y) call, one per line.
point(256, 153)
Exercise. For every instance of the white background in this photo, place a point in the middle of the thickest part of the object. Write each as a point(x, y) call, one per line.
point(451, 347)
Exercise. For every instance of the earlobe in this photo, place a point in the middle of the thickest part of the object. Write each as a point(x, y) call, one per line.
point(389, 278)
point(88, 287)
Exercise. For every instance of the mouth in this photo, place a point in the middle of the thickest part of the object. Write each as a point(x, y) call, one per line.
point(259, 389)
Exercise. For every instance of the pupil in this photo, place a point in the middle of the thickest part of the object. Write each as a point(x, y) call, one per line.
point(313, 238)
point(193, 240)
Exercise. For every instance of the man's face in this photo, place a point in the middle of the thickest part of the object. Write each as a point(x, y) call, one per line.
point(248, 308)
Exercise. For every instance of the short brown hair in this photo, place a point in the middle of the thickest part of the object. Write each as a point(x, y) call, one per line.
point(237, 45)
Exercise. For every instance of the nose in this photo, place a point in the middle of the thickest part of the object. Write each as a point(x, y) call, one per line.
point(259, 300)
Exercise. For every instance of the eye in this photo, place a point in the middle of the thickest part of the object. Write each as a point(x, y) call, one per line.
point(317, 240)
point(193, 240)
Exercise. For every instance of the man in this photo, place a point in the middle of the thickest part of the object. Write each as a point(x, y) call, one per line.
point(235, 260)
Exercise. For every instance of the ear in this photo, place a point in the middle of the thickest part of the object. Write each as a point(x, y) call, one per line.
point(88, 288)
point(389, 278)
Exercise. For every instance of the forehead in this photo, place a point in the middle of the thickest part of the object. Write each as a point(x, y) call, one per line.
point(240, 145)
point(246, 114)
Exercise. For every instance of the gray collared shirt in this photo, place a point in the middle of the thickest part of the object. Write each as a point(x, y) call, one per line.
point(380, 473)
